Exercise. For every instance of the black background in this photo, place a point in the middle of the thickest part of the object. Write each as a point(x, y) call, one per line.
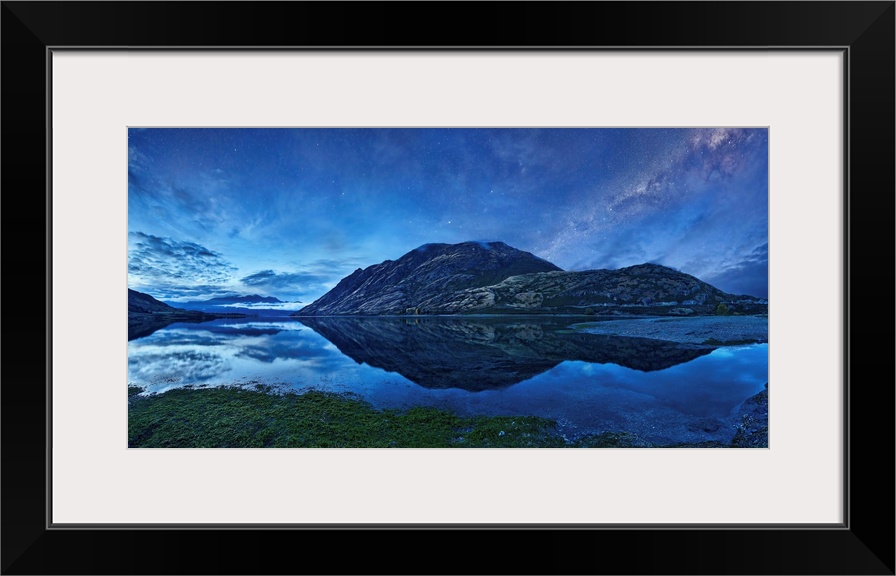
point(865, 545)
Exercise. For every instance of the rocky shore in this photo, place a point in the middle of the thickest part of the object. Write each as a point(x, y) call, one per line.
point(715, 330)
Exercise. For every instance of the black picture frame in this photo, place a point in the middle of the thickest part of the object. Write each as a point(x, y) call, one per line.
point(864, 544)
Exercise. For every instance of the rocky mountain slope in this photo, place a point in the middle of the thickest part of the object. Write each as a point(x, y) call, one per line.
point(645, 288)
point(397, 287)
point(474, 278)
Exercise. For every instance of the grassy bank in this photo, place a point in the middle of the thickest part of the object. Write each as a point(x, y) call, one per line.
point(239, 418)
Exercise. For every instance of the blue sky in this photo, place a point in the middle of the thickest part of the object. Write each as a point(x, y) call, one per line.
point(290, 212)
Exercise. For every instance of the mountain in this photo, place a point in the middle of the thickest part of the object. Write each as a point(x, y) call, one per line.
point(395, 287)
point(641, 289)
point(146, 315)
point(494, 278)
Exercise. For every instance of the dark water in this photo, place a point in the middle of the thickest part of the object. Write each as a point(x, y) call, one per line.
point(662, 391)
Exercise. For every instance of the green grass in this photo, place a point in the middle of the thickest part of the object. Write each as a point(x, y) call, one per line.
point(227, 417)
point(233, 417)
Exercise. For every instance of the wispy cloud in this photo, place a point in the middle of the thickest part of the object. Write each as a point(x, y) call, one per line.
point(746, 276)
point(177, 267)
point(288, 306)
point(281, 280)
point(680, 200)
point(308, 283)
point(290, 208)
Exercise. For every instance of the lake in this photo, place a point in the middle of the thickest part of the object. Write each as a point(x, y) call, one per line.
point(664, 392)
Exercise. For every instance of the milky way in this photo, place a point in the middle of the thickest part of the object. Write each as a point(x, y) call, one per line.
point(289, 212)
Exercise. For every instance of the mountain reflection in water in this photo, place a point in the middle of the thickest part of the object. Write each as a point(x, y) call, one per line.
point(530, 366)
point(487, 353)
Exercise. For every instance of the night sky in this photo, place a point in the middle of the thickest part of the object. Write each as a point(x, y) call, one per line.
point(290, 212)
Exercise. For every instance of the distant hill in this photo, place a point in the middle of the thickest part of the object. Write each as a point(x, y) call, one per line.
point(140, 303)
point(250, 305)
point(224, 300)
point(494, 278)
point(146, 315)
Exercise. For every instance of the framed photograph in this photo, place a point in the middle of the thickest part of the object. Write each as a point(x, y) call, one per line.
point(281, 181)
point(422, 288)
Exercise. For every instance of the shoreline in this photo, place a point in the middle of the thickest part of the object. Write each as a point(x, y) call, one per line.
point(711, 330)
point(237, 417)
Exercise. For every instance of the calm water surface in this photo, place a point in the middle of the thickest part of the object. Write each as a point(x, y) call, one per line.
point(662, 391)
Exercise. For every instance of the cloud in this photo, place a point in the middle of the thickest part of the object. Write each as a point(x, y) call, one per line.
point(136, 159)
point(175, 293)
point(282, 280)
point(746, 276)
point(618, 251)
point(285, 306)
point(137, 173)
point(306, 285)
point(176, 267)
point(180, 201)
point(682, 196)
point(311, 280)
point(523, 148)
